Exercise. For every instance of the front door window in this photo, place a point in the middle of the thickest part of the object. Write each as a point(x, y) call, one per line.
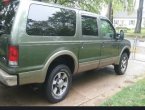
point(107, 30)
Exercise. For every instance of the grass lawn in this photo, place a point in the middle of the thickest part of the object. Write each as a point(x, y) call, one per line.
point(131, 33)
point(130, 96)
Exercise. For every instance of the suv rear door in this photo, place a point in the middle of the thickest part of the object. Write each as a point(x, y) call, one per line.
point(89, 53)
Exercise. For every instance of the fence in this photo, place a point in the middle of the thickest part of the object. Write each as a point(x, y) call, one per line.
point(138, 49)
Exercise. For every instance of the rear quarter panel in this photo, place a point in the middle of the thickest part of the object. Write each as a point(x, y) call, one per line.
point(34, 51)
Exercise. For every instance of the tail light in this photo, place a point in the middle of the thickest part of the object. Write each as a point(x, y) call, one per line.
point(13, 55)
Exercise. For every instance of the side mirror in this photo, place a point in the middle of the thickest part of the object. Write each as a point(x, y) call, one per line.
point(121, 34)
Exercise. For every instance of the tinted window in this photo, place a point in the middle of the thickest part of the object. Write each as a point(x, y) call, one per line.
point(89, 26)
point(107, 29)
point(50, 21)
point(7, 15)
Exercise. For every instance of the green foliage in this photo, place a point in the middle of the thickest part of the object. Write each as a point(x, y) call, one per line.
point(91, 5)
point(130, 96)
point(121, 5)
point(131, 6)
point(131, 33)
point(0, 4)
point(94, 5)
point(118, 5)
point(61, 2)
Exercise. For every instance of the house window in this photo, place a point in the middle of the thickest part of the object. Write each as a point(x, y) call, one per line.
point(132, 22)
point(122, 23)
point(116, 21)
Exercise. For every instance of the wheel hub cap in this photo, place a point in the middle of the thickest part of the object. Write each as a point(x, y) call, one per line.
point(124, 64)
point(60, 83)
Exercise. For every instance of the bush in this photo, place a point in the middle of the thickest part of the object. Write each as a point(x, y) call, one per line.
point(125, 29)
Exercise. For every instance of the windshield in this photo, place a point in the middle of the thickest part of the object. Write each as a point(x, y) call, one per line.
point(7, 14)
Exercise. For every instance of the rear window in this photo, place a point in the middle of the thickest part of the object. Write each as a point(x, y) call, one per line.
point(50, 21)
point(7, 15)
point(89, 26)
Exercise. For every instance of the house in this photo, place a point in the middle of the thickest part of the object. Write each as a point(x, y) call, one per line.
point(125, 19)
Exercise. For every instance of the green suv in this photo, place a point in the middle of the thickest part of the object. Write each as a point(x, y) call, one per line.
point(46, 44)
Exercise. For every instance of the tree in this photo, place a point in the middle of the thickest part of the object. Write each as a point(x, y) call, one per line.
point(139, 17)
point(88, 5)
point(61, 2)
point(110, 11)
point(118, 5)
point(91, 5)
point(0, 2)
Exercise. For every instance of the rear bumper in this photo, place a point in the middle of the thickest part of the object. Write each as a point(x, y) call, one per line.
point(8, 80)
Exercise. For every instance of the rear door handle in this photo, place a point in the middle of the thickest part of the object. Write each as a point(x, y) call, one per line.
point(82, 46)
point(103, 44)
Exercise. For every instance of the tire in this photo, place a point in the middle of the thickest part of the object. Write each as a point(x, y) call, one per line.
point(121, 68)
point(58, 83)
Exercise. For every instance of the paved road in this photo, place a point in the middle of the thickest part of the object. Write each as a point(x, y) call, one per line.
point(139, 43)
point(89, 88)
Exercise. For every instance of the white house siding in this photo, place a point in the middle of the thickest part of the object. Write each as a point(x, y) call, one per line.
point(129, 23)
point(122, 19)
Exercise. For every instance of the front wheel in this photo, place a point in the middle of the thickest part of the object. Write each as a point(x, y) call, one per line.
point(121, 68)
point(58, 83)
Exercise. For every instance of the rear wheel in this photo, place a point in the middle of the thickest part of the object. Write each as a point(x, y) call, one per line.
point(121, 68)
point(58, 83)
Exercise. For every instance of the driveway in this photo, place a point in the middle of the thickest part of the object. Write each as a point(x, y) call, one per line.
point(88, 89)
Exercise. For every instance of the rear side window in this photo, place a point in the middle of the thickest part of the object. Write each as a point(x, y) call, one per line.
point(89, 26)
point(7, 15)
point(50, 21)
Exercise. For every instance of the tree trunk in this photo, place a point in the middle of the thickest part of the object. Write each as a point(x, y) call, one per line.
point(55, 1)
point(110, 12)
point(139, 17)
